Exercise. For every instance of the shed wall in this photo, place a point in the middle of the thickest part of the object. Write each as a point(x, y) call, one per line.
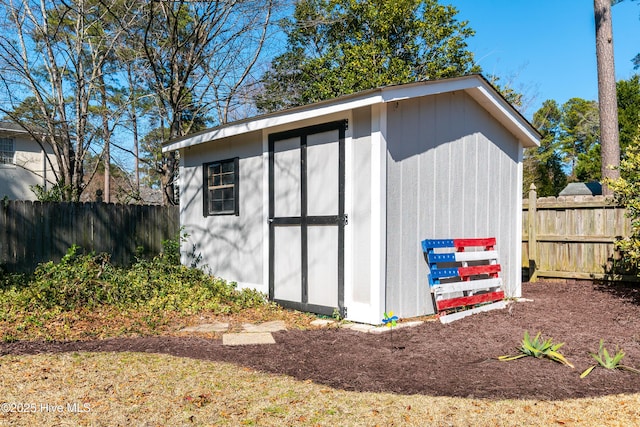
point(452, 171)
point(231, 246)
point(359, 202)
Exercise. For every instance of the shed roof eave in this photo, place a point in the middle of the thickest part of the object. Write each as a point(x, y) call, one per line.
point(475, 85)
point(482, 92)
point(500, 110)
point(349, 102)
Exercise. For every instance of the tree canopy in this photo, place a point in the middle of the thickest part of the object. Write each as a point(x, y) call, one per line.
point(53, 56)
point(543, 165)
point(570, 146)
point(76, 72)
point(337, 47)
point(579, 137)
point(628, 111)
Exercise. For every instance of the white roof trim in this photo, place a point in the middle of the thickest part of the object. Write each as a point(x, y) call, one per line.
point(475, 85)
point(268, 121)
point(482, 92)
point(500, 110)
point(429, 87)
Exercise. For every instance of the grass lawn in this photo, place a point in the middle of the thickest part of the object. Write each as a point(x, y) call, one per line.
point(129, 389)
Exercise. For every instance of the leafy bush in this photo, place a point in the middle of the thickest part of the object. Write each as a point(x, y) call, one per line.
point(539, 349)
point(160, 283)
point(626, 191)
point(77, 280)
point(9, 280)
point(54, 194)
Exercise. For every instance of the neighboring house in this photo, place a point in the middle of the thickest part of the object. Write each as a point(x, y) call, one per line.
point(23, 163)
point(323, 207)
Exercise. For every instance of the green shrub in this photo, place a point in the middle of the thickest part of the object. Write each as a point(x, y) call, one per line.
point(626, 191)
point(77, 280)
point(10, 280)
point(160, 283)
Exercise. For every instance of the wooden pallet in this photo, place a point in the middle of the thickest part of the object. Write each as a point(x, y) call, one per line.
point(462, 278)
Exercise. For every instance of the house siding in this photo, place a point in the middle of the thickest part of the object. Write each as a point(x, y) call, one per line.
point(451, 172)
point(231, 246)
point(29, 168)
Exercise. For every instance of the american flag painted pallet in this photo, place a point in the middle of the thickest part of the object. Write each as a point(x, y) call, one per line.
point(458, 277)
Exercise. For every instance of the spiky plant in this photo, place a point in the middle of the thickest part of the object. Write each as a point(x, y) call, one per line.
point(539, 348)
point(607, 361)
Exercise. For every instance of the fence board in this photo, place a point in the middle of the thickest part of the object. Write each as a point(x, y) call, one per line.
point(35, 232)
point(572, 237)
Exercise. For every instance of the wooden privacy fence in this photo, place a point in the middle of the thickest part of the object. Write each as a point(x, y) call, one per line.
point(572, 237)
point(35, 232)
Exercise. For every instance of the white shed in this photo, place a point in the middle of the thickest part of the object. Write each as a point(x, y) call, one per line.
point(324, 206)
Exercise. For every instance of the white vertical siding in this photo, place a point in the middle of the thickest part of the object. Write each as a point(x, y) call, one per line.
point(359, 206)
point(452, 173)
point(365, 240)
point(378, 249)
point(231, 246)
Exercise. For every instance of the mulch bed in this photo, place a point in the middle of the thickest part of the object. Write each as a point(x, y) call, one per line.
point(456, 359)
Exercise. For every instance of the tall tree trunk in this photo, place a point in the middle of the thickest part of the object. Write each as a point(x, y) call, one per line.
point(170, 164)
point(608, 104)
point(134, 125)
point(107, 140)
point(136, 154)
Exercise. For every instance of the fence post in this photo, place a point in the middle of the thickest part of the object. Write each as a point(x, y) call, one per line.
point(533, 243)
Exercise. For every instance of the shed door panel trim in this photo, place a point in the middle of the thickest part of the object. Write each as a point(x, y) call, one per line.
point(306, 218)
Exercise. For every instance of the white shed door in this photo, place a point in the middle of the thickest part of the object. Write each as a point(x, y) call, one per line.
point(306, 218)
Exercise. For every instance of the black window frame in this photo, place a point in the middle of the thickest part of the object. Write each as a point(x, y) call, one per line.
point(207, 209)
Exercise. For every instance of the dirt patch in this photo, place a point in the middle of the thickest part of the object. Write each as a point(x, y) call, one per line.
point(457, 359)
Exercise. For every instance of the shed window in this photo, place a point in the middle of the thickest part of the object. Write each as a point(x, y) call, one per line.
point(221, 180)
point(7, 151)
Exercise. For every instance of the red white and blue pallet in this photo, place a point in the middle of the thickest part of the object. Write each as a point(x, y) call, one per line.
point(455, 283)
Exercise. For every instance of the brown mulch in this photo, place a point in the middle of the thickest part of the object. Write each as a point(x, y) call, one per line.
point(456, 359)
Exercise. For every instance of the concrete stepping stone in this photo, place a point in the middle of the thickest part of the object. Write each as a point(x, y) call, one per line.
point(273, 326)
point(244, 338)
point(371, 329)
point(360, 327)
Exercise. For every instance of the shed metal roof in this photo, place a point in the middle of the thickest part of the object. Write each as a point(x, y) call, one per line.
point(475, 85)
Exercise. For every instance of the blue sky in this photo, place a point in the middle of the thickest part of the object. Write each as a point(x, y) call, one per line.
point(545, 49)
